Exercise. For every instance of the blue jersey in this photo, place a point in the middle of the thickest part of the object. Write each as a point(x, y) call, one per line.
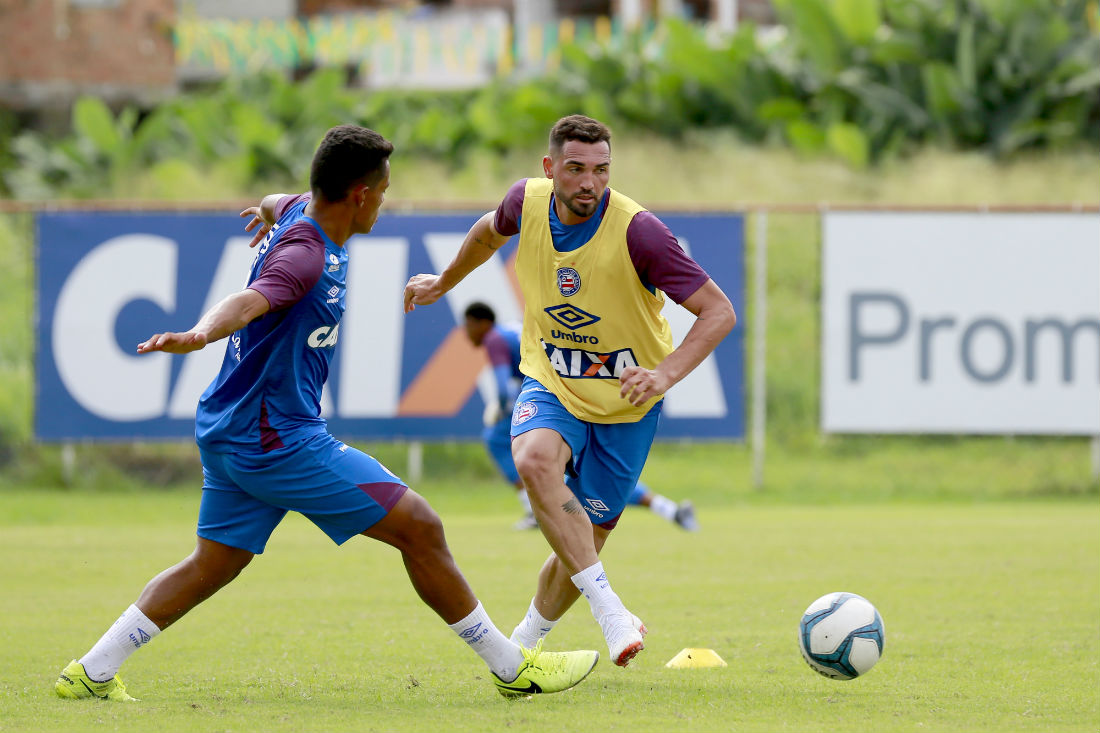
point(268, 392)
point(502, 343)
point(509, 334)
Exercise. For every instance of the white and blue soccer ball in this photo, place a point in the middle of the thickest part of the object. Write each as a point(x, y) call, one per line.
point(841, 635)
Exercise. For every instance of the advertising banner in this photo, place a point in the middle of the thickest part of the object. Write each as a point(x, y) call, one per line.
point(107, 281)
point(961, 323)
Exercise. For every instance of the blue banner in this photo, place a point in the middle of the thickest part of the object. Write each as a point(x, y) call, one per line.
point(107, 281)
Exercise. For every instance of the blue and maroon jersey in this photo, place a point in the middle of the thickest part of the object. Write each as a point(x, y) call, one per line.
point(502, 345)
point(268, 392)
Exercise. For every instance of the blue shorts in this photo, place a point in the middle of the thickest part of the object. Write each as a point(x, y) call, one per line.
point(498, 441)
point(607, 459)
point(340, 489)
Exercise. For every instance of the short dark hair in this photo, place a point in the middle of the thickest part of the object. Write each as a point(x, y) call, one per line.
point(481, 312)
point(348, 155)
point(580, 128)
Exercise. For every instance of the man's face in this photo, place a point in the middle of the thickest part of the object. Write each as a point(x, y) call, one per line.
point(580, 173)
point(371, 198)
point(476, 329)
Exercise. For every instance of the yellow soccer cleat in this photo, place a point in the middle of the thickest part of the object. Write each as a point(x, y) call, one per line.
point(74, 684)
point(544, 672)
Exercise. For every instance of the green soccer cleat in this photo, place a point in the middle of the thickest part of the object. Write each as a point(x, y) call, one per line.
point(543, 672)
point(74, 684)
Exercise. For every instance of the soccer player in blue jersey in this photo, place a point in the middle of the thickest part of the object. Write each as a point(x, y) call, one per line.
point(266, 450)
point(502, 343)
point(594, 268)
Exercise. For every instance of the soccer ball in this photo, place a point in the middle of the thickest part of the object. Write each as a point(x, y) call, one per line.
point(841, 635)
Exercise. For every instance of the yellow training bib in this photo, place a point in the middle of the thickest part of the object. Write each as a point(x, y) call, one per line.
point(587, 316)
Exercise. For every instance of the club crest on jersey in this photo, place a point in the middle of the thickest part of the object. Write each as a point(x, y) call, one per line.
point(334, 263)
point(571, 316)
point(569, 281)
point(581, 364)
point(524, 411)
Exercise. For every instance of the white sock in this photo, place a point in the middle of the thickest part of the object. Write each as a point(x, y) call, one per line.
point(593, 584)
point(524, 500)
point(663, 507)
point(129, 633)
point(532, 628)
point(479, 632)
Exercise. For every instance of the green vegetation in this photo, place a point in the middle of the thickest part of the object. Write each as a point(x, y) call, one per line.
point(861, 80)
point(990, 618)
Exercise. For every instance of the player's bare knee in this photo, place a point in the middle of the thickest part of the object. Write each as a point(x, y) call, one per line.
point(422, 527)
point(218, 563)
point(535, 465)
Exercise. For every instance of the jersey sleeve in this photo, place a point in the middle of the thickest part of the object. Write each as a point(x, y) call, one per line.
point(500, 358)
point(506, 221)
point(660, 260)
point(291, 269)
point(284, 204)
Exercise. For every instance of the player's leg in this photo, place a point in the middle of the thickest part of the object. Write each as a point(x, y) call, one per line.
point(175, 591)
point(351, 493)
point(415, 529)
point(541, 456)
point(555, 595)
point(546, 441)
point(225, 512)
point(606, 473)
point(498, 443)
point(682, 514)
point(640, 495)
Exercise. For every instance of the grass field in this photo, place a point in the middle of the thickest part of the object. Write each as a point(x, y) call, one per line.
point(982, 553)
point(991, 611)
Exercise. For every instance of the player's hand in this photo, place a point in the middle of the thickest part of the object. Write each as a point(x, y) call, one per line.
point(173, 343)
point(257, 220)
point(422, 290)
point(640, 384)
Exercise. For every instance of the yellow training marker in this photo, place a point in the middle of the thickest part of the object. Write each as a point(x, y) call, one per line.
point(695, 658)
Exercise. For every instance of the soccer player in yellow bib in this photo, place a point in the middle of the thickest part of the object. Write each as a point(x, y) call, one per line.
point(594, 268)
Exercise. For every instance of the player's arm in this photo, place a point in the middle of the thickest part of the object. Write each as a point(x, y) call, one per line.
point(714, 319)
point(496, 410)
point(262, 216)
point(661, 261)
point(479, 245)
point(231, 314)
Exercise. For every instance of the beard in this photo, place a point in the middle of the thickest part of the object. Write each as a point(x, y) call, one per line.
point(582, 208)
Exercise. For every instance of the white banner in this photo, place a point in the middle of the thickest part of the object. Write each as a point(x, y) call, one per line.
point(961, 323)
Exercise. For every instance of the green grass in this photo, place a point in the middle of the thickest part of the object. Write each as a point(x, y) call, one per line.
point(991, 613)
point(982, 553)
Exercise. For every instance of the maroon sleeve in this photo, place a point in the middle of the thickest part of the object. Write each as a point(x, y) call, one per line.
point(659, 259)
point(292, 268)
point(508, 214)
point(286, 202)
point(497, 347)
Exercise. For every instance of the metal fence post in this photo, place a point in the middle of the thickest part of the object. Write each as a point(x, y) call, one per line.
point(759, 332)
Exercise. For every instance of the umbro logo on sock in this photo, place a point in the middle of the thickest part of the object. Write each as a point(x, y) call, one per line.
point(142, 638)
point(475, 633)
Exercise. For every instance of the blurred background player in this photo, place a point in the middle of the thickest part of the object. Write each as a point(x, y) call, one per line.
point(502, 344)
